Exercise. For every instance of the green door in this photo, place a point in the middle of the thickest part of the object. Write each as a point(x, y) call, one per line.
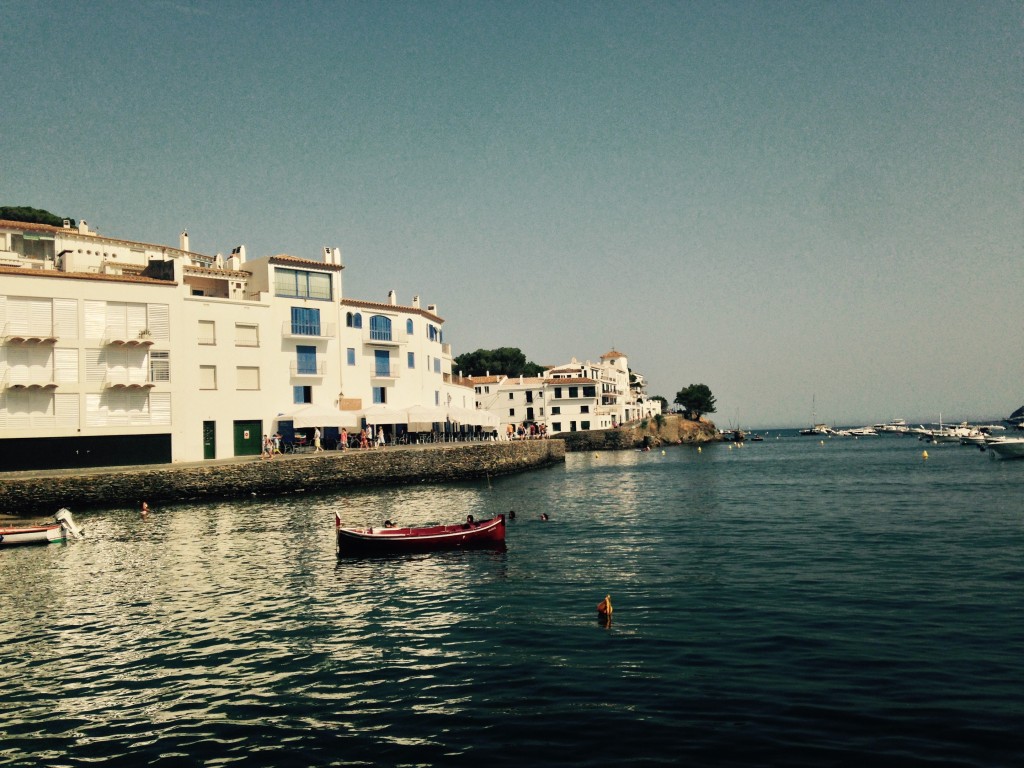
point(209, 439)
point(248, 438)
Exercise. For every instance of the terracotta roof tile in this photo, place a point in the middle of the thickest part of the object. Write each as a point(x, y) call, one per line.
point(22, 272)
point(389, 307)
point(283, 258)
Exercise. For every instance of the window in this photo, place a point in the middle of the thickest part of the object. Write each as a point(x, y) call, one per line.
point(529, 396)
point(584, 409)
point(437, 365)
point(556, 410)
point(511, 412)
point(353, 320)
point(207, 377)
point(207, 332)
point(305, 359)
point(381, 362)
point(380, 395)
point(301, 395)
point(584, 425)
point(248, 377)
point(159, 366)
point(408, 326)
point(410, 360)
point(437, 397)
point(380, 328)
point(431, 333)
point(589, 392)
point(300, 284)
point(574, 391)
point(511, 396)
point(350, 354)
point(305, 321)
point(556, 426)
point(558, 393)
point(247, 335)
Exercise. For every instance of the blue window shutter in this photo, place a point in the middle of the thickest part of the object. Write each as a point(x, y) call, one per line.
point(382, 360)
point(306, 359)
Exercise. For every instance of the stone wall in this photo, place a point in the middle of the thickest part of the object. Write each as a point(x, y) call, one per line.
point(45, 492)
point(673, 430)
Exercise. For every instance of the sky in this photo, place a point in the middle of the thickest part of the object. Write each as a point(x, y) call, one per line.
point(816, 209)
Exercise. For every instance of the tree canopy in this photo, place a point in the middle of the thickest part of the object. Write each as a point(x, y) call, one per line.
point(31, 215)
point(508, 361)
point(696, 399)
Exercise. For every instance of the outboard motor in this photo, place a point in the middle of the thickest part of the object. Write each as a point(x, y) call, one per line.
point(67, 522)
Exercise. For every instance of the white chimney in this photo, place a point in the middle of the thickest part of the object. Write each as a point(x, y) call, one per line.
point(391, 298)
point(432, 308)
point(416, 302)
point(218, 261)
point(67, 223)
point(83, 227)
point(184, 240)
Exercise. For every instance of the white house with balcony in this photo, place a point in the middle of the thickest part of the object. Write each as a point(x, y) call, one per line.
point(120, 352)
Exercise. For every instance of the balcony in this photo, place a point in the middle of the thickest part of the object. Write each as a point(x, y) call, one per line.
point(388, 373)
point(127, 337)
point(22, 377)
point(308, 330)
point(19, 333)
point(299, 370)
point(378, 338)
point(128, 379)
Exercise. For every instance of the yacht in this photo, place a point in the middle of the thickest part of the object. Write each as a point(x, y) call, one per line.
point(1006, 447)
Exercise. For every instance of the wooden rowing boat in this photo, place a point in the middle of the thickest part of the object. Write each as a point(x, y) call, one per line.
point(41, 534)
point(487, 533)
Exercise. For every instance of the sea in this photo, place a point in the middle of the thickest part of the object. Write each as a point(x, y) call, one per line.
point(793, 602)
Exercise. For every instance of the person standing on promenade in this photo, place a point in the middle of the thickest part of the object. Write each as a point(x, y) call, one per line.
point(380, 439)
point(363, 442)
point(344, 439)
point(316, 440)
point(268, 448)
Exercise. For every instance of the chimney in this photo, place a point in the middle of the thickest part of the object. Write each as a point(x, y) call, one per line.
point(416, 302)
point(184, 240)
point(432, 309)
point(218, 261)
point(67, 223)
point(236, 258)
point(391, 298)
point(83, 227)
point(328, 256)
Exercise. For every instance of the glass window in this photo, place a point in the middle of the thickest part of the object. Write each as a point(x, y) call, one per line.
point(589, 392)
point(305, 321)
point(305, 358)
point(558, 392)
point(411, 360)
point(584, 425)
point(382, 362)
point(350, 353)
point(574, 391)
point(556, 410)
point(380, 395)
point(437, 365)
point(302, 395)
point(408, 326)
point(298, 283)
point(584, 409)
point(159, 366)
point(556, 426)
point(380, 328)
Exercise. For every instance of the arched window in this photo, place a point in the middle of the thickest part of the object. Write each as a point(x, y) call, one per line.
point(408, 326)
point(380, 328)
point(357, 320)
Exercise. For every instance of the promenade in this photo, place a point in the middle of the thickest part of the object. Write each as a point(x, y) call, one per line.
point(42, 492)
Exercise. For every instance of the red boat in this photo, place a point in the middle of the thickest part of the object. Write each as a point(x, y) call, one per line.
point(487, 533)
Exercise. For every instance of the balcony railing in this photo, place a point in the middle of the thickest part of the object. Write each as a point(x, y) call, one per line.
point(308, 330)
point(15, 333)
point(394, 337)
point(307, 369)
point(132, 379)
point(128, 337)
point(386, 372)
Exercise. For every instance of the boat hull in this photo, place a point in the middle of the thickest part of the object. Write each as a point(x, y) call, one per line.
point(1006, 447)
point(32, 534)
point(486, 534)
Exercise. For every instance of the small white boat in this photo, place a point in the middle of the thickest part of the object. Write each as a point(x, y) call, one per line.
point(42, 534)
point(1006, 447)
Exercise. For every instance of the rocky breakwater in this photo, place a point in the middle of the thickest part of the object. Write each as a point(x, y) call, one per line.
point(44, 492)
point(670, 429)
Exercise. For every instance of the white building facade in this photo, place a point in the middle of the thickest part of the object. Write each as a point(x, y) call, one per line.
point(118, 352)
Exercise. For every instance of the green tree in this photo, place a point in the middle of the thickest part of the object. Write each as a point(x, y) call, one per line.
point(509, 361)
point(696, 399)
point(31, 215)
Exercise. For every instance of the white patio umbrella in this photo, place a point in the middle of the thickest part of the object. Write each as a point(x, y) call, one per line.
point(472, 416)
point(384, 414)
point(426, 415)
point(312, 415)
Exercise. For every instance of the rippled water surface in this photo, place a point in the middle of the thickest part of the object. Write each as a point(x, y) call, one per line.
point(785, 603)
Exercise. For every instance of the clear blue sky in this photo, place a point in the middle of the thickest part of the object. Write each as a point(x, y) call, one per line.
point(785, 201)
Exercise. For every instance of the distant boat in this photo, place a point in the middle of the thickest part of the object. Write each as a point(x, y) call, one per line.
point(894, 427)
point(815, 428)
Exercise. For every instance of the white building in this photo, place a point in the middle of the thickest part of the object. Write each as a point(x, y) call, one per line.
point(118, 352)
point(568, 398)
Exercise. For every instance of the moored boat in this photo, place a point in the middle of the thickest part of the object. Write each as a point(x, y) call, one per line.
point(41, 534)
point(1006, 447)
point(386, 540)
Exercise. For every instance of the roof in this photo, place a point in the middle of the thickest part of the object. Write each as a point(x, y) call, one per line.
point(612, 355)
point(73, 232)
point(486, 379)
point(389, 308)
point(574, 380)
point(283, 258)
point(23, 272)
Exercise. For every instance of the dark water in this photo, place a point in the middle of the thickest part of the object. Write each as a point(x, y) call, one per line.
point(784, 603)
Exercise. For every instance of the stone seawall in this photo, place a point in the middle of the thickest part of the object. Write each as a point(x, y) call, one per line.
point(45, 492)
